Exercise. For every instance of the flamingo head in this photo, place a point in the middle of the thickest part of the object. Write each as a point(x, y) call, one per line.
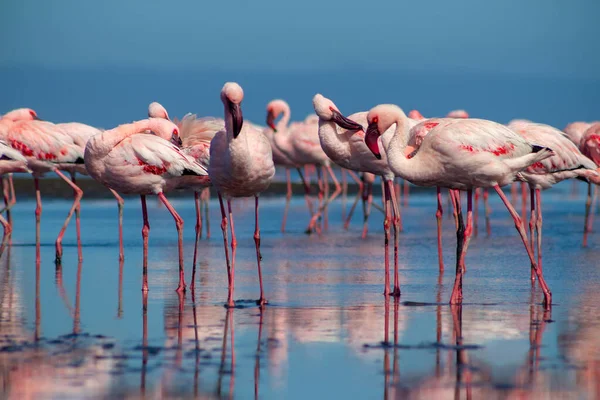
point(458, 114)
point(165, 129)
point(274, 109)
point(416, 115)
point(232, 96)
point(327, 111)
point(156, 110)
point(380, 119)
point(21, 114)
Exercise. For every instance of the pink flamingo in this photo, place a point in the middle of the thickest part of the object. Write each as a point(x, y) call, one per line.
point(459, 154)
point(130, 161)
point(10, 161)
point(590, 147)
point(279, 136)
point(347, 148)
point(575, 131)
point(566, 163)
point(241, 165)
point(47, 149)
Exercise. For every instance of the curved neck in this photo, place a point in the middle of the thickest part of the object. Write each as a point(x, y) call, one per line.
point(113, 137)
point(228, 122)
point(285, 119)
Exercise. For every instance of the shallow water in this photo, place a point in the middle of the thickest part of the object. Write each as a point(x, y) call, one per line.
point(87, 331)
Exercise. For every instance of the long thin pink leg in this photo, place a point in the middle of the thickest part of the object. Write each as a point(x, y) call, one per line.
point(145, 233)
point(588, 204)
point(306, 183)
point(457, 296)
point(179, 226)
point(523, 201)
point(386, 231)
point(538, 228)
point(336, 192)
point(521, 228)
point(206, 199)
point(358, 196)
point(438, 215)
point(120, 203)
point(398, 190)
point(476, 212)
point(198, 233)
point(78, 195)
point(6, 195)
point(468, 230)
point(396, 209)
point(452, 196)
point(233, 250)
point(261, 300)
point(230, 302)
point(7, 232)
point(77, 221)
point(488, 211)
point(532, 221)
point(288, 198)
point(594, 203)
point(38, 216)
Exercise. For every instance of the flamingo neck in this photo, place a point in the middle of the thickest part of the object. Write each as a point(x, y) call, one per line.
point(282, 125)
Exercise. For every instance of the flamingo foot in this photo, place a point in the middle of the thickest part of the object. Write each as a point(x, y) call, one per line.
point(230, 304)
point(395, 292)
point(262, 302)
point(180, 288)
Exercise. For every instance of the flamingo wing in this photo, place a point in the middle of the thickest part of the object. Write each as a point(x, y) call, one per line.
point(193, 130)
point(44, 141)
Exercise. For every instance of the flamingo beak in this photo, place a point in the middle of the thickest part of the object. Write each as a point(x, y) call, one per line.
point(344, 122)
point(371, 137)
point(237, 118)
point(271, 121)
point(176, 140)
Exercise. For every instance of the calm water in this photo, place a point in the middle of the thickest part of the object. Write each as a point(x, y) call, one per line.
point(327, 333)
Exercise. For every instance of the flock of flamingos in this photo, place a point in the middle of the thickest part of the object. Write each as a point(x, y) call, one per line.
point(156, 155)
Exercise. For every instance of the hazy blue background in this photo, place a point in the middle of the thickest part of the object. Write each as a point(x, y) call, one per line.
point(103, 62)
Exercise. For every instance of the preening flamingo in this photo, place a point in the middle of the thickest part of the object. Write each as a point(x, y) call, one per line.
point(343, 140)
point(129, 160)
point(241, 165)
point(458, 154)
point(589, 145)
point(47, 149)
point(567, 162)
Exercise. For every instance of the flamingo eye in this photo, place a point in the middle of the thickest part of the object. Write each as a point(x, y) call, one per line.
point(175, 132)
point(375, 120)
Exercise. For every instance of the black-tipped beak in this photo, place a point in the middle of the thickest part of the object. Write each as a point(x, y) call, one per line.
point(271, 121)
point(344, 122)
point(176, 140)
point(236, 117)
point(371, 137)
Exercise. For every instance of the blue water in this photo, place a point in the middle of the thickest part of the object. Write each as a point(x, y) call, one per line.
point(323, 335)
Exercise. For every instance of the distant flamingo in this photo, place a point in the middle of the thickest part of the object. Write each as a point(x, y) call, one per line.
point(566, 163)
point(575, 131)
point(459, 154)
point(10, 161)
point(590, 147)
point(347, 148)
point(241, 165)
point(130, 161)
point(47, 149)
point(281, 144)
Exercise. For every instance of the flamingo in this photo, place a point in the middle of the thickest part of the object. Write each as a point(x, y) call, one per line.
point(10, 161)
point(347, 148)
point(576, 130)
point(241, 165)
point(590, 147)
point(566, 163)
point(47, 149)
point(459, 154)
point(279, 135)
point(130, 161)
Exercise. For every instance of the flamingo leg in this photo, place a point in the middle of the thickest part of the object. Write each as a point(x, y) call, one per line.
point(326, 203)
point(306, 183)
point(438, 215)
point(594, 205)
point(367, 201)
point(233, 250)
point(78, 195)
point(349, 217)
point(386, 232)
point(396, 209)
point(488, 211)
point(145, 233)
point(523, 200)
point(6, 195)
point(288, 198)
point(197, 240)
point(261, 301)
point(38, 215)
point(336, 192)
point(532, 223)
point(538, 228)
point(206, 199)
point(451, 196)
point(179, 226)
point(7, 232)
point(398, 190)
point(120, 203)
point(77, 221)
point(230, 302)
point(457, 296)
point(476, 212)
point(521, 229)
point(588, 204)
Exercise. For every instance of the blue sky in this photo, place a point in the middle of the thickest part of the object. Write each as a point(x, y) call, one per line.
point(542, 37)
